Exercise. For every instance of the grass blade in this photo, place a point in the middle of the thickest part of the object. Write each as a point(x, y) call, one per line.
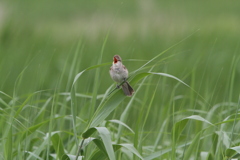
point(130, 148)
point(58, 146)
point(106, 139)
point(8, 149)
point(233, 152)
point(106, 108)
point(121, 123)
point(193, 147)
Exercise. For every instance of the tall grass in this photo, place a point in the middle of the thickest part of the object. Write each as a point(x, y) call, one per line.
point(57, 100)
point(53, 124)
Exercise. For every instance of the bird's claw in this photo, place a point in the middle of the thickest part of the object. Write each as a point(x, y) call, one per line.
point(117, 86)
point(124, 80)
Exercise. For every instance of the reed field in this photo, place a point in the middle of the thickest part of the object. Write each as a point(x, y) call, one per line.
point(58, 101)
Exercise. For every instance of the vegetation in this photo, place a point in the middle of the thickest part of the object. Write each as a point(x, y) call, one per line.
point(57, 100)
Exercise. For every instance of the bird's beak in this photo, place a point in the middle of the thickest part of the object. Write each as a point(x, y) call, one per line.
point(115, 60)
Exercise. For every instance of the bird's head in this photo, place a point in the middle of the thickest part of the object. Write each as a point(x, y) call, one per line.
point(116, 59)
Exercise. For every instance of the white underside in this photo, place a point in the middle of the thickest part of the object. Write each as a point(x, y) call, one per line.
point(118, 72)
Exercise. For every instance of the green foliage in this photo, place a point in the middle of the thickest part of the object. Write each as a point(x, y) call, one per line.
point(57, 100)
point(58, 146)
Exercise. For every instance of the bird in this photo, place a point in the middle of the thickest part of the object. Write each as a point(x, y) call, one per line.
point(119, 73)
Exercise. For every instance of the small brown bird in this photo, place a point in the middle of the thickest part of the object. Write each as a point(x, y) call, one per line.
point(119, 73)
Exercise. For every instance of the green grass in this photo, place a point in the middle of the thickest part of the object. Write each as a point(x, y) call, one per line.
point(57, 100)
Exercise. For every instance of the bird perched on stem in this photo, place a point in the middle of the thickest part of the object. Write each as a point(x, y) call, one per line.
point(119, 73)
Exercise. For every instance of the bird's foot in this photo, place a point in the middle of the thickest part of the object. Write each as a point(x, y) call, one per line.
point(118, 86)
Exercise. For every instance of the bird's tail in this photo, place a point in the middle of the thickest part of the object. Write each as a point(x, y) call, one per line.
point(127, 89)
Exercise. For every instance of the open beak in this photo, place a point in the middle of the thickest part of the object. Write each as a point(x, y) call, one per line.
point(115, 60)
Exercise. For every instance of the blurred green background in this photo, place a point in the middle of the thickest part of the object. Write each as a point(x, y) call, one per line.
point(44, 35)
point(44, 44)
